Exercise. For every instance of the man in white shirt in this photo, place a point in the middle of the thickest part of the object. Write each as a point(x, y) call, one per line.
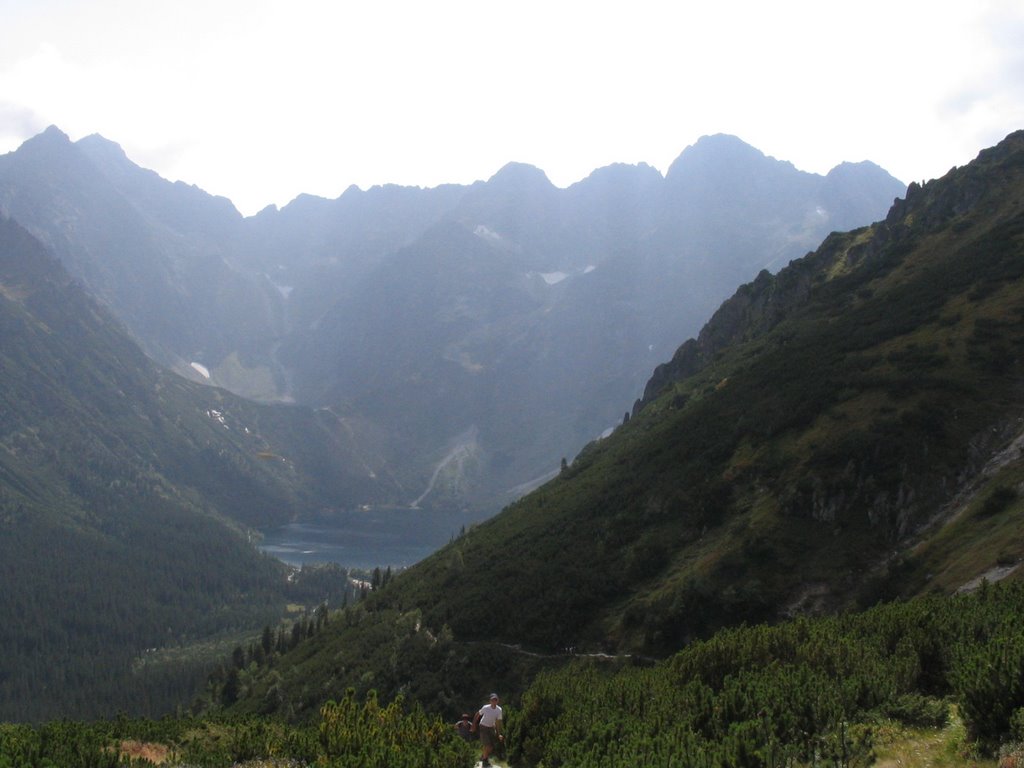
point(488, 719)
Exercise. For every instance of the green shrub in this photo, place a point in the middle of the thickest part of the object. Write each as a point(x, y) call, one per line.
point(998, 500)
point(917, 710)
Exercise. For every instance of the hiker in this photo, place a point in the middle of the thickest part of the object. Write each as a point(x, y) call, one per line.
point(464, 727)
point(489, 721)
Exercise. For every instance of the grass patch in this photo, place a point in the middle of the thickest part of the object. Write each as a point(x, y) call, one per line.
point(987, 534)
point(900, 747)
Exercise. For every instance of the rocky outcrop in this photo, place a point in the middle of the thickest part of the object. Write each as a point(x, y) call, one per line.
point(753, 310)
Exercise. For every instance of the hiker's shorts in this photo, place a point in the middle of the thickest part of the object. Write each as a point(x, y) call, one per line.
point(488, 737)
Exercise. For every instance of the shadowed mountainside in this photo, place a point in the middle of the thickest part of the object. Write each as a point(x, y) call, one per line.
point(126, 494)
point(527, 314)
point(844, 431)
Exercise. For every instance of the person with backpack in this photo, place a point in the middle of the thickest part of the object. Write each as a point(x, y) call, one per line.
point(488, 721)
point(464, 728)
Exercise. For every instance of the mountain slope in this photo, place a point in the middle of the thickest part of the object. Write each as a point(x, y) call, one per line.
point(71, 373)
point(548, 308)
point(847, 430)
point(588, 288)
point(125, 496)
point(856, 395)
point(159, 255)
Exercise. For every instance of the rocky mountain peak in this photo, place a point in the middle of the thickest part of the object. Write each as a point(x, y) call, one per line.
point(46, 144)
point(621, 176)
point(51, 134)
point(98, 147)
point(520, 176)
point(713, 153)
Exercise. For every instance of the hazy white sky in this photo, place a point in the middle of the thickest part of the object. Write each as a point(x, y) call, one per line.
point(259, 100)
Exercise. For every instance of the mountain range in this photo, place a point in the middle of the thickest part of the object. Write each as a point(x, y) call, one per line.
point(846, 431)
point(482, 332)
point(435, 347)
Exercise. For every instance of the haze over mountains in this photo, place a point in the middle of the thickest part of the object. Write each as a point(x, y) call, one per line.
point(126, 494)
point(847, 431)
point(435, 346)
point(472, 335)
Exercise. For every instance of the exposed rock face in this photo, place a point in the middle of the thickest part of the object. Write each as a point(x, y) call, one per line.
point(753, 310)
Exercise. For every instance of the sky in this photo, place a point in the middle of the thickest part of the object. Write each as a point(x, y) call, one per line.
point(260, 101)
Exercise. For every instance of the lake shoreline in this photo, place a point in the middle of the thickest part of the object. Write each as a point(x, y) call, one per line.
point(395, 537)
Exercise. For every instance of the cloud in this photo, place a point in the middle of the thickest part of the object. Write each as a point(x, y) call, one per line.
point(261, 100)
point(16, 123)
point(989, 102)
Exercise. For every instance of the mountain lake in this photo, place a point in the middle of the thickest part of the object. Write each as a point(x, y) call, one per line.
point(396, 537)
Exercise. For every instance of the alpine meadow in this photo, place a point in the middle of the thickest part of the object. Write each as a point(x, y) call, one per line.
point(793, 539)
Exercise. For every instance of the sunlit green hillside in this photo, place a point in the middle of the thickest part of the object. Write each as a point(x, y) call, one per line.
point(841, 433)
point(808, 451)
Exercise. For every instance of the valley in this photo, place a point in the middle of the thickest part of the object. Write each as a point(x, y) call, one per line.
point(792, 534)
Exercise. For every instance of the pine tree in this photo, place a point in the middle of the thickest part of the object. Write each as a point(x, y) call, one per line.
point(232, 687)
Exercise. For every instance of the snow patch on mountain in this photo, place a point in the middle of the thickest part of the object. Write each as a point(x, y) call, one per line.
point(554, 278)
point(484, 233)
